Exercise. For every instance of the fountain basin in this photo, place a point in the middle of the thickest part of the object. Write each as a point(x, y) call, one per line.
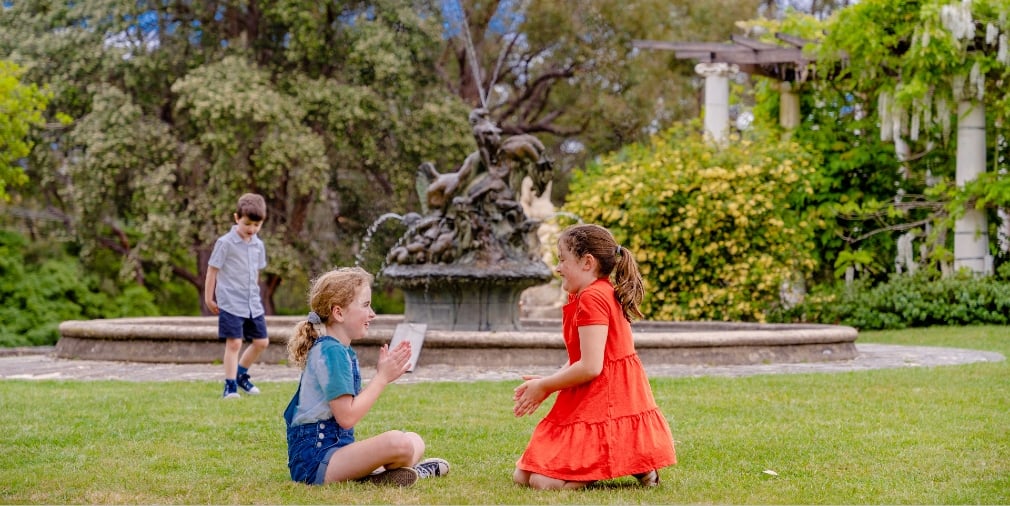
point(194, 340)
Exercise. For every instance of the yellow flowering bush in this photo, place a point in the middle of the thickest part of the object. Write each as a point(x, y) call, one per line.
point(716, 229)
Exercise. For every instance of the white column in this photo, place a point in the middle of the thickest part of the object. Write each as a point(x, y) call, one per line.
point(716, 98)
point(789, 106)
point(971, 241)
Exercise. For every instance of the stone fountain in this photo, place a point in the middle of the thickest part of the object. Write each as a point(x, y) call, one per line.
point(464, 263)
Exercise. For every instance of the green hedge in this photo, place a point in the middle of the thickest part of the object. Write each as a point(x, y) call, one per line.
point(906, 301)
point(42, 285)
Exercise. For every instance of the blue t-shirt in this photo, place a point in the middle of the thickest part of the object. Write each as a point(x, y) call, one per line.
point(331, 370)
point(238, 263)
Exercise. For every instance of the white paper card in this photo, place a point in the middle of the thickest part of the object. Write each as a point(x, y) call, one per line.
point(412, 332)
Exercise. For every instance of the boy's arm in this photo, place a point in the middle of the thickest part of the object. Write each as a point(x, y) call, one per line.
point(208, 289)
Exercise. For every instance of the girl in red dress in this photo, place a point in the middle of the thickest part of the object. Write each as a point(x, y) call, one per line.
point(605, 422)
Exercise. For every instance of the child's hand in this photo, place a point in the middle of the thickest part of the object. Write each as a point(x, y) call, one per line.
point(528, 396)
point(212, 306)
point(393, 363)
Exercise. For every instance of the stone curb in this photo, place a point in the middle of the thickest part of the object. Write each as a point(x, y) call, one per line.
point(194, 340)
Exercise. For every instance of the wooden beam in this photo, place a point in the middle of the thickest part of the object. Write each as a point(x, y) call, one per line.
point(752, 44)
point(702, 56)
point(793, 40)
point(686, 46)
point(781, 55)
point(749, 55)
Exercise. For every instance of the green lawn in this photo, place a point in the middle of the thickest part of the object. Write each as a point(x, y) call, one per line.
point(897, 436)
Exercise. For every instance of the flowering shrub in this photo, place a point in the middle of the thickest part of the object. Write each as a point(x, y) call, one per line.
point(716, 229)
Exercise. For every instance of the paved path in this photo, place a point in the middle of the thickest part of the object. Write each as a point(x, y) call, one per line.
point(39, 364)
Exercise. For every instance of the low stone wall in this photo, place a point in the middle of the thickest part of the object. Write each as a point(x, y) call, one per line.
point(194, 340)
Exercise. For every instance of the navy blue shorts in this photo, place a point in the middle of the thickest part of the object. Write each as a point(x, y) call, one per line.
point(230, 326)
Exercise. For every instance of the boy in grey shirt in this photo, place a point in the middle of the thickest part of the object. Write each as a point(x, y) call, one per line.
point(233, 280)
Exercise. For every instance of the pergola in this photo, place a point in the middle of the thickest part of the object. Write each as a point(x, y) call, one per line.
point(789, 64)
point(717, 61)
point(786, 63)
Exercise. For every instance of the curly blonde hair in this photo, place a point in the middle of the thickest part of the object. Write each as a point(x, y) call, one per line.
point(336, 288)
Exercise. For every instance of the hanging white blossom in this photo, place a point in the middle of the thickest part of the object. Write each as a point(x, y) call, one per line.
point(914, 129)
point(957, 87)
point(1002, 54)
point(899, 120)
point(884, 109)
point(991, 33)
point(976, 80)
point(922, 114)
point(943, 115)
point(957, 18)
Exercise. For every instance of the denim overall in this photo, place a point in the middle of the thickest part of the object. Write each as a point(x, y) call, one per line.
point(310, 445)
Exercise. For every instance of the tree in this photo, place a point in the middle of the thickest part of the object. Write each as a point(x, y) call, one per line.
point(324, 108)
point(21, 107)
point(818, 8)
point(570, 71)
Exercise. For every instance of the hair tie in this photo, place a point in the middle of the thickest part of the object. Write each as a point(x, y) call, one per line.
point(314, 318)
point(617, 251)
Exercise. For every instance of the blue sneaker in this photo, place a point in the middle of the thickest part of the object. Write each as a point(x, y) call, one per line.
point(431, 468)
point(230, 392)
point(245, 384)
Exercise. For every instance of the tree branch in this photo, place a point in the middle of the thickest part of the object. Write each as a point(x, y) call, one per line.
point(891, 228)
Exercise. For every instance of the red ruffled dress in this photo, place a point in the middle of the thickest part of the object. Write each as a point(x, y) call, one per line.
point(610, 426)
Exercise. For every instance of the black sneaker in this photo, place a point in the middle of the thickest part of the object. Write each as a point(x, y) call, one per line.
point(399, 477)
point(245, 384)
point(230, 392)
point(430, 468)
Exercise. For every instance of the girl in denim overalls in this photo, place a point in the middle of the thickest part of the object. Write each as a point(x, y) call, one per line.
point(330, 401)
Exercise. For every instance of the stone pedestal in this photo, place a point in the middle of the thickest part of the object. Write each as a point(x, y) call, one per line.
point(466, 297)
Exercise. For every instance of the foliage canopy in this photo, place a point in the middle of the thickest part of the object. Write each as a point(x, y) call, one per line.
point(21, 107)
point(179, 107)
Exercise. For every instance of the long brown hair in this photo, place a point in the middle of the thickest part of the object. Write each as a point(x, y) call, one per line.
point(336, 288)
point(613, 259)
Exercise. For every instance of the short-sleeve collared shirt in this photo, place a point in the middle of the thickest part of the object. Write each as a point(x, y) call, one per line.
point(238, 263)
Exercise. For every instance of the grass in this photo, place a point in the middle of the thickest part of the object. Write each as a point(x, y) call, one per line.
point(899, 436)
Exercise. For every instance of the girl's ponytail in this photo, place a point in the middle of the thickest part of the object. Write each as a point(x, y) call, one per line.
point(301, 342)
point(628, 286)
